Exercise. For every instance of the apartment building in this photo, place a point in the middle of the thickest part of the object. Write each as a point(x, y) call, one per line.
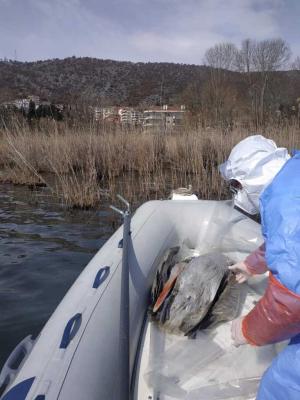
point(35, 99)
point(23, 104)
point(164, 117)
point(130, 116)
point(97, 113)
point(107, 114)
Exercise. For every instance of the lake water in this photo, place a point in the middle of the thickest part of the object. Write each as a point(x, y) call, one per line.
point(43, 248)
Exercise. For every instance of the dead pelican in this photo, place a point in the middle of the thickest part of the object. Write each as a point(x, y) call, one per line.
point(204, 293)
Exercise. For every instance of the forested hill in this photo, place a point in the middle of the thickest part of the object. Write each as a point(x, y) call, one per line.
point(95, 80)
point(107, 82)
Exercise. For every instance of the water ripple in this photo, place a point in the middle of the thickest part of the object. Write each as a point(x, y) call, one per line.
point(43, 249)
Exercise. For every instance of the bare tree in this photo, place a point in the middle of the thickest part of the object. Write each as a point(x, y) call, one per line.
point(256, 60)
point(222, 56)
point(268, 56)
point(296, 64)
point(271, 55)
point(244, 58)
point(245, 65)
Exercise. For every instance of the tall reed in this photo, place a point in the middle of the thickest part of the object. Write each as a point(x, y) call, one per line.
point(86, 163)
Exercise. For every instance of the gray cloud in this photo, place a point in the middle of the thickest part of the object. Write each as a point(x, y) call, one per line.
point(139, 30)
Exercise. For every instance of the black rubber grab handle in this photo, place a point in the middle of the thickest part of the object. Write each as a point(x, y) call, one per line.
point(70, 330)
point(102, 274)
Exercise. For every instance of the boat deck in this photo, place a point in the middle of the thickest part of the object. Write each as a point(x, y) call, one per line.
point(206, 368)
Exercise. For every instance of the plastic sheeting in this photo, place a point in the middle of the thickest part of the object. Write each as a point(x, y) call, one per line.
point(227, 390)
point(179, 361)
point(253, 162)
point(210, 367)
point(207, 367)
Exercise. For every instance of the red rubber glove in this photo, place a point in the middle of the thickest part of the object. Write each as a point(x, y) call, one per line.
point(275, 317)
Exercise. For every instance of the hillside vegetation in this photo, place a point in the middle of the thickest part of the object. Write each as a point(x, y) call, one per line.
point(98, 81)
point(108, 82)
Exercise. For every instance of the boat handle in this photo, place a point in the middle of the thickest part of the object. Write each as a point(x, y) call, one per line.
point(9, 370)
point(102, 274)
point(70, 331)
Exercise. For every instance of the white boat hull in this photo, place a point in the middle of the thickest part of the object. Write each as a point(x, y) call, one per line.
point(86, 367)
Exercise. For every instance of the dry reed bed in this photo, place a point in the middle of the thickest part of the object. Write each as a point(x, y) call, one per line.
point(87, 163)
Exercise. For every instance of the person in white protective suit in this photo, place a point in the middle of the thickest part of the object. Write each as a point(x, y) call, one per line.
point(266, 179)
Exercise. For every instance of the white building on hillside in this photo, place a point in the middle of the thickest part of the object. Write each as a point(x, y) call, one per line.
point(35, 99)
point(130, 116)
point(23, 104)
point(165, 117)
point(97, 113)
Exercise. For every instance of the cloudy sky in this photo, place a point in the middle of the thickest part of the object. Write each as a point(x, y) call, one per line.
point(140, 30)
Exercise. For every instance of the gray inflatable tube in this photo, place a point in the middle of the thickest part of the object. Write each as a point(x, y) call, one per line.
point(77, 355)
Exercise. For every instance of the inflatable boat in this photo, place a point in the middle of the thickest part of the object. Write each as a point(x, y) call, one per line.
point(99, 343)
